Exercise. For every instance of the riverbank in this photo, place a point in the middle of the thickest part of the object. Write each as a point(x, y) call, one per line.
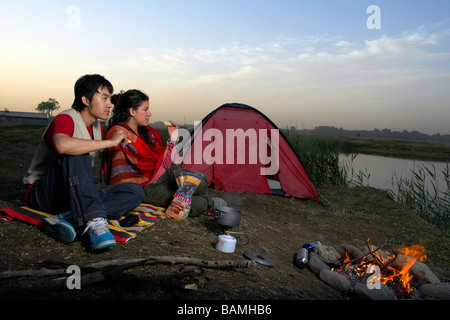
point(398, 149)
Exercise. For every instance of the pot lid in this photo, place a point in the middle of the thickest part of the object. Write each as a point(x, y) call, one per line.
point(259, 258)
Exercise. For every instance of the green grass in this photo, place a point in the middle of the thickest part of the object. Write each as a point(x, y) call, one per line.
point(17, 144)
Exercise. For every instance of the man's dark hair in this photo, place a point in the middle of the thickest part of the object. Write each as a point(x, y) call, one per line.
point(87, 86)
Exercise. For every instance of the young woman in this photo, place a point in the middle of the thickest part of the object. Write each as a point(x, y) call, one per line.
point(144, 159)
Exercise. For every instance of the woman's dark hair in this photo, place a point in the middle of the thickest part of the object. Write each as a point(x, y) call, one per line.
point(87, 86)
point(123, 102)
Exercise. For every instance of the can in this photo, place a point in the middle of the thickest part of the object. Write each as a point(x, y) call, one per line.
point(310, 245)
point(302, 258)
point(226, 243)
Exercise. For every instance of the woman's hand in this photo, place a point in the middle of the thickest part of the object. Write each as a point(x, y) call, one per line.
point(173, 132)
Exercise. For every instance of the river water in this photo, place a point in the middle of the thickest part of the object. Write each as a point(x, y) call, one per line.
point(378, 171)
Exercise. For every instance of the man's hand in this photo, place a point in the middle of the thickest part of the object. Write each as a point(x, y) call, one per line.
point(119, 137)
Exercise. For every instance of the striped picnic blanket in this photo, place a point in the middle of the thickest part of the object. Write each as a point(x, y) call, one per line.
point(148, 216)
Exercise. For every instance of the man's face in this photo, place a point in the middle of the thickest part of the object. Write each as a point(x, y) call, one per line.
point(100, 106)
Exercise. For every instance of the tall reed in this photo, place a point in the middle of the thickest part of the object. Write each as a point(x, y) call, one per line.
point(423, 193)
point(354, 178)
point(320, 157)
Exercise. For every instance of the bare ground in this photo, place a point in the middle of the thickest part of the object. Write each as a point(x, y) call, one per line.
point(277, 227)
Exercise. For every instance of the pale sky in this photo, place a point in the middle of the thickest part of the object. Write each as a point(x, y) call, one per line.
point(300, 62)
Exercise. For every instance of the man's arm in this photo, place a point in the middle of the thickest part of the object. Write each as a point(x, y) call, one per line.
point(65, 144)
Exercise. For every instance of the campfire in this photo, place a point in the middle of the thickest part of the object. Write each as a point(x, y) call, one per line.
point(379, 266)
point(375, 273)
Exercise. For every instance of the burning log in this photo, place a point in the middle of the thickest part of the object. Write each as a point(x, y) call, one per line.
point(393, 275)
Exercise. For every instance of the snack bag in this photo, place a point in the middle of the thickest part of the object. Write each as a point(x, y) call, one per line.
point(181, 204)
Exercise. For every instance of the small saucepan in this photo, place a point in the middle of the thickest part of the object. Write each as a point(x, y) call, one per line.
point(228, 217)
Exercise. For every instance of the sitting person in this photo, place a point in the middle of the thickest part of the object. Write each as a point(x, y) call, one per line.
point(60, 179)
point(145, 160)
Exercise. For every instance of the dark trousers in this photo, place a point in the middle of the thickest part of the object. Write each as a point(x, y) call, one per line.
point(68, 186)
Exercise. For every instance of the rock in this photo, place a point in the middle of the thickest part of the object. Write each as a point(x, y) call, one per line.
point(440, 291)
point(328, 254)
point(423, 274)
point(335, 280)
point(352, 251)
point(419, 270)
point(316, 264)
point(384, 293)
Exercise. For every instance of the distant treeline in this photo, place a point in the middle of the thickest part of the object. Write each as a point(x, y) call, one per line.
point(404, 135)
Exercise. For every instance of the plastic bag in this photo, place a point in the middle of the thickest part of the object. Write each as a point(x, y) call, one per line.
point(181, 204)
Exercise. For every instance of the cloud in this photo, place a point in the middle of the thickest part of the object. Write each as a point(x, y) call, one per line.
point(385, 77)
point(319, 57)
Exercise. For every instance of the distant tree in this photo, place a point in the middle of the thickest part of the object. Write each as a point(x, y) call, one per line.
point(48, 106)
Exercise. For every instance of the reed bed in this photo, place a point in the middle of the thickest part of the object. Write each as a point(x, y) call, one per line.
point(421, 191)
point(320, 157)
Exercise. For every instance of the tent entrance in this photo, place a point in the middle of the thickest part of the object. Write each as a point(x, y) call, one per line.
point(275, 186)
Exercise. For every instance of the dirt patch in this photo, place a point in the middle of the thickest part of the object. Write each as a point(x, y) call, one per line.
point(277, 227)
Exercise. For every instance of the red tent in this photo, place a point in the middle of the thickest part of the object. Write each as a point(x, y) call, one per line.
point(239, 149)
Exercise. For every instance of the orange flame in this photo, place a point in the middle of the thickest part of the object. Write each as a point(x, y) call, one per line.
point(401, 271)
point(415, 251)
point(395, 268)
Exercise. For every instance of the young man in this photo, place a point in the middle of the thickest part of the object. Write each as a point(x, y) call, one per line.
point(60, 179)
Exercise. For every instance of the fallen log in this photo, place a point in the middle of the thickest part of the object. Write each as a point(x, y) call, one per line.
point(120, 265)
point(103, 271)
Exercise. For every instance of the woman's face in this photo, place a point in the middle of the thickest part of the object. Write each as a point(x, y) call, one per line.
point(142, 115)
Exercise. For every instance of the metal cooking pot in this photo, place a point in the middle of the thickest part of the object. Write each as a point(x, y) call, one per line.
point(228, 217)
